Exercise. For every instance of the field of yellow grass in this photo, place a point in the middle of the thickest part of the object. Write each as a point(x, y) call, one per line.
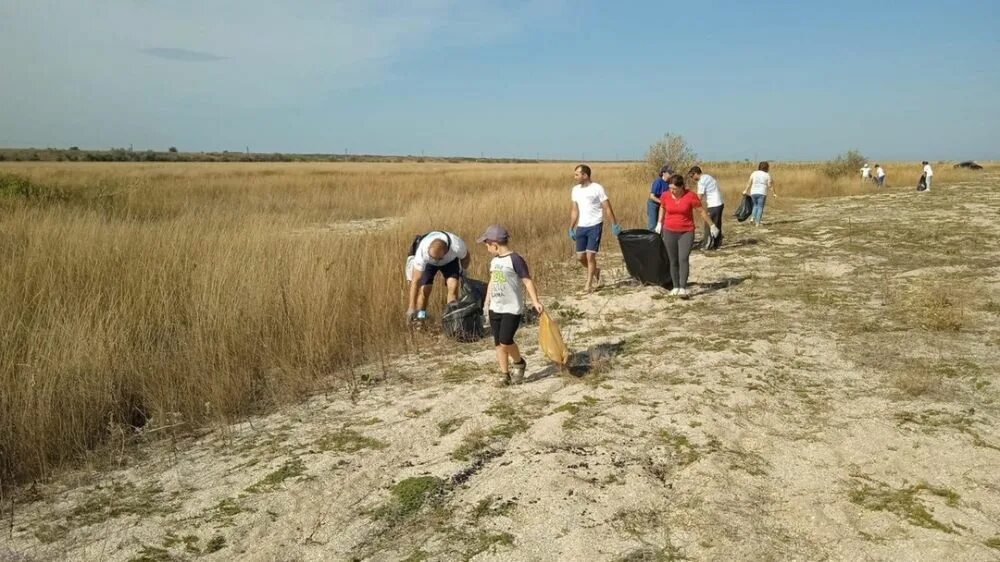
point(171, 295)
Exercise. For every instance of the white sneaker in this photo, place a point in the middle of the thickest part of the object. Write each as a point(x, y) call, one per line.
point(674, 292)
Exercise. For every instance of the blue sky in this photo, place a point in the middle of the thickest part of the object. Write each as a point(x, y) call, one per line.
point(555, 79)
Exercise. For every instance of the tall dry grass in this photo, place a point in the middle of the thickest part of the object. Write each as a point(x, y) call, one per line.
point(179, 294)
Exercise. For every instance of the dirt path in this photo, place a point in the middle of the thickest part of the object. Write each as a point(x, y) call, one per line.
point(830, 392)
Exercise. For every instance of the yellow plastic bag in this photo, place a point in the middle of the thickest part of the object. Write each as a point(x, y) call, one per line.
point(550, 340)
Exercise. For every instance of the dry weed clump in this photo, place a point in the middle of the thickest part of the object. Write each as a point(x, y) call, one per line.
point(932, 306)
point(139, 296)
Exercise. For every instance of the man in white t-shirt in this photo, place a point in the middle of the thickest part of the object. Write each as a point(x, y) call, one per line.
point(879, 176)
point(711, 197)
point(928, 174)
point(866, 173)
point(586, 222)
point(435, 251)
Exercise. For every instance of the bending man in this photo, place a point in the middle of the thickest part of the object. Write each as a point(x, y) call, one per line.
point(437, 251)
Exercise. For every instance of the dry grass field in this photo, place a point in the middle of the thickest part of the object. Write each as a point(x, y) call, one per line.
point(170, 295)
point(829, 392)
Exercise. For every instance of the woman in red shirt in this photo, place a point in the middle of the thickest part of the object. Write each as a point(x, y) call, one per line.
point(677, 208)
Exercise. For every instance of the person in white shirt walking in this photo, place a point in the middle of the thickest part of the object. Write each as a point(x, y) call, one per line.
point(866, 173)
point(586, 222)
point(928, 174)
point(758, 186)
point(879, 176)
point(711, 195)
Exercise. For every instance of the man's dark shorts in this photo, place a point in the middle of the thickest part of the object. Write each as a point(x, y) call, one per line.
point(588, 238)
point(449, 270)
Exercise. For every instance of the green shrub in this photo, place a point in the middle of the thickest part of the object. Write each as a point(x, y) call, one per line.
point(845, 164)
point(671, 148)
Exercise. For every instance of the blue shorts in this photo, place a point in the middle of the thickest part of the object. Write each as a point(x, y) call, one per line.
point(588, 238)
point(448, 271)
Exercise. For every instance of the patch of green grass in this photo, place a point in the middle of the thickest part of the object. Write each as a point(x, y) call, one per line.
point(47, 533)
point(483, 541)
point(215, 544)
point(417, 556)
point(347, 441)
point(637, 522)
point(152, 554)
point(904, 502)
point(568, 315)
point(118, 500)
point(190, 542)
point(490, 507)
point(599, 332)
point(993, 543)
point(992, 307)
point(652, 554)
point(510, 418)
point(272, 481)
point(408, 496)
point(472, 444)
point(416, 412)
point(930, 421)
point(229, 507)
point(574, 409)
point(449, 426)
point(682, 450)
point(460, 372)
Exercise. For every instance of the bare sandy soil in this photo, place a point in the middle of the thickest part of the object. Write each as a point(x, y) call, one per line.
point(829, 393)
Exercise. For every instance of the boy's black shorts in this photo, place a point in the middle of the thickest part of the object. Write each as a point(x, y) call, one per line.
point(504, 326)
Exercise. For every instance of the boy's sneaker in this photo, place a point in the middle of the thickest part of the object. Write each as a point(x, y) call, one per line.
point(517, 371)
point(503, 381)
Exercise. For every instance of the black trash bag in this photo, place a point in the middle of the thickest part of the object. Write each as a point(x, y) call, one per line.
point(708, 243)
point(463, 319)
point(473, 288)
point(744, 209)
point(922, 183)
point(646, 257)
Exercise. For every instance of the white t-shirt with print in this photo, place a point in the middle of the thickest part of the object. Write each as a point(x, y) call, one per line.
point(759, 182)
point(865, 171)
point(506, 289)
point(879, 172)
point(708, 190)
point(422, 258)
point(928, 170)
point(589, 200)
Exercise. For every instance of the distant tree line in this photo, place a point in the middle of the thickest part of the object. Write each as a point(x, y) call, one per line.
point(75, 154)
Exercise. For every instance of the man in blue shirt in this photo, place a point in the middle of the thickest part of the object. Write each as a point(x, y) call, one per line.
point(659, 186)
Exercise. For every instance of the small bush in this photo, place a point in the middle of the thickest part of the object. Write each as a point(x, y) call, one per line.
point(845, 164)
point(671, 148)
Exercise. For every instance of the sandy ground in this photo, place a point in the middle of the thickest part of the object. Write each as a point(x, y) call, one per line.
point(829, 393)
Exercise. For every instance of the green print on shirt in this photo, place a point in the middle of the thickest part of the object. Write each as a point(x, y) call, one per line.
point(498, 276)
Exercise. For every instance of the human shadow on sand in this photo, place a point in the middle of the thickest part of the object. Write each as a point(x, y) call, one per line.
point(705, 288)
point(739, 243)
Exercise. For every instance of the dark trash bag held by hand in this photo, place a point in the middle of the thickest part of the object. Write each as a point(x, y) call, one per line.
point(744, 209)
point(922, 184)
point(645, 257)
point(463, 319)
